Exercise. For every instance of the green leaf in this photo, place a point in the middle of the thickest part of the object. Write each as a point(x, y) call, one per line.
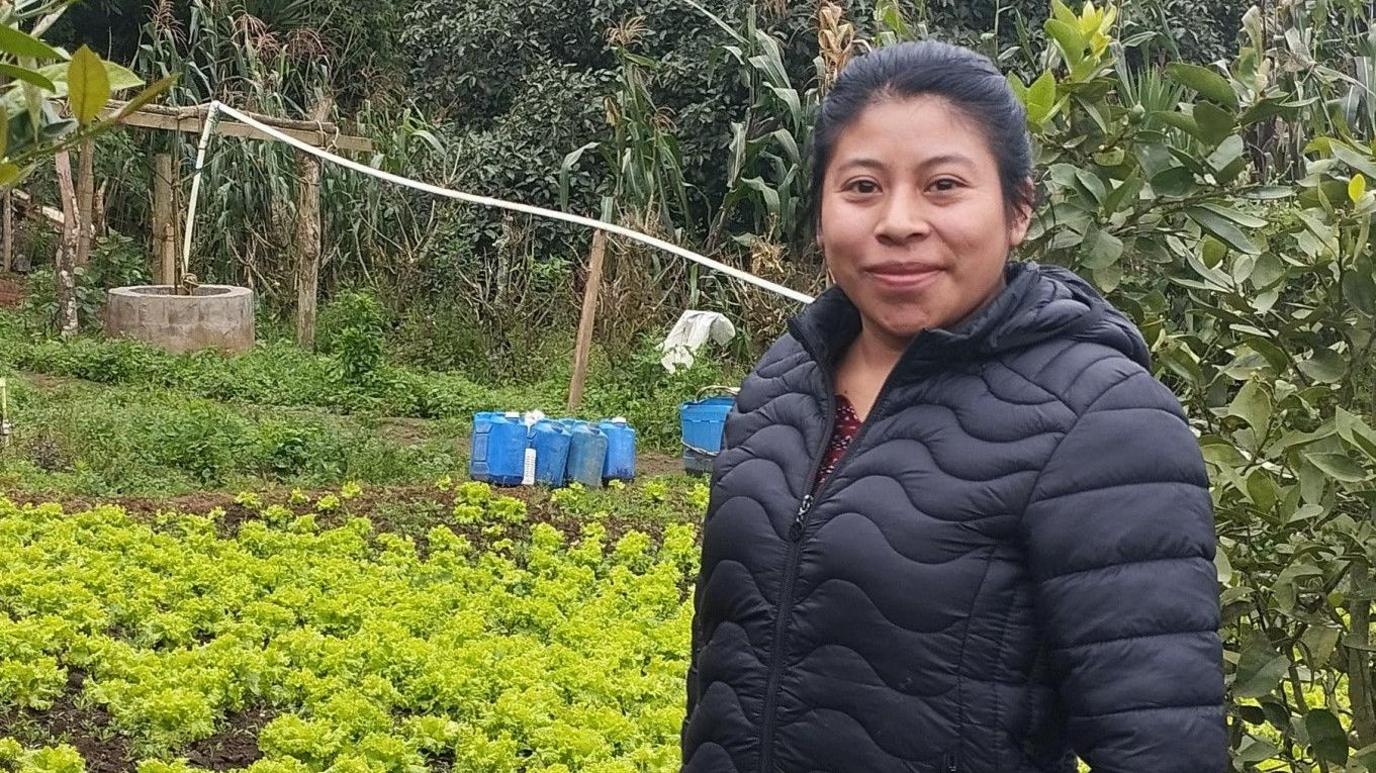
point(1253, 406)
point(1068, 40)
point(1353, 429)
point(1215, 123)
point(1337, 466)
point(1208, 83)
point(28, 76)
point(1264, 110)
point(565, 168)
point(21, 44)
point(1105, 249)
point(1325, 367)
point(1267, 271)
point(1092, 184)
point(1223, 566)
point(1018, 87)
point(1241, 218)
point(162, 84)
point(1359, 289)
point(1174, 182)
point(88, 87)
point(1358, 161)
point(1041, 98)
point(1269, 192)
point(1356, 187)
point(1062, 13)
point(1326, 735)
point(1224, 229)
point(1180, 121)
point(1259, 669)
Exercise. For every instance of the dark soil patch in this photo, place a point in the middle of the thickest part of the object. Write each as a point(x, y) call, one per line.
point(87, 729)
point(410, 510)
point(236, 746)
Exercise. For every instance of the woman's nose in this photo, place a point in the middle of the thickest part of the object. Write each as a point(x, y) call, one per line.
point(903, 217)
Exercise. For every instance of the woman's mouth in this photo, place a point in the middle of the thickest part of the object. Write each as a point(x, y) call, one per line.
point(903, 275)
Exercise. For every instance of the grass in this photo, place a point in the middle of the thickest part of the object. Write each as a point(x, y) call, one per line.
point(99, 417)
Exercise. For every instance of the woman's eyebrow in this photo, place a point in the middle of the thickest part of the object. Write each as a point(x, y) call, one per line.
point(866, 162)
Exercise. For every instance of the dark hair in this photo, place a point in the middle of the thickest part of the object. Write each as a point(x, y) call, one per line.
point(971, 82)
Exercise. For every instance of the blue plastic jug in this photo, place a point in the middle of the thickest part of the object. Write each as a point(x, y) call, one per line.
point(506, 449)
point(587, 455)
point(551, 443)
point(620, 449)
point(702, 423)
point(479, 443)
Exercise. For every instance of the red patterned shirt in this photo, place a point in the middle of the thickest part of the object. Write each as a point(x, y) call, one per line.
point(847, 424)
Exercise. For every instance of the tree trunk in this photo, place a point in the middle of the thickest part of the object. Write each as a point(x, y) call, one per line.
point(1360, 689)
point(86, 202)
point(9, 231)
point(65, 262)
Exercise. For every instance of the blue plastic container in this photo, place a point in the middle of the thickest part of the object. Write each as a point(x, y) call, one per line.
point(478, 444)
point(508, 437)
point(703, 422)
point(620, 464)
point(587, 455)
point(551, 442)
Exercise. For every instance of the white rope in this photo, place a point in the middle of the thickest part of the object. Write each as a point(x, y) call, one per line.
point(487, 201)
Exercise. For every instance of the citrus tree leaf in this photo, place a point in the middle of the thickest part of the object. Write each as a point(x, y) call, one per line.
point(1208, 83)
point(22, 44)
point(1259, 669)
point(88, 86)
point(1326, 735)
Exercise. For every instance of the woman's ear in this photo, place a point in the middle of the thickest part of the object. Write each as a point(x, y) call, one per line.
point(1021, 216)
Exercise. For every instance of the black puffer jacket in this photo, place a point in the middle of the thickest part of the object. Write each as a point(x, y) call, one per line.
point(1012, 565)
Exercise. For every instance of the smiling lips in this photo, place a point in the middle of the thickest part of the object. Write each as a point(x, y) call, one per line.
point(903, 275)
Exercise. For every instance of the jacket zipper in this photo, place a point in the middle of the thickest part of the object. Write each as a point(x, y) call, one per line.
point(951, 763)
point(795, 539)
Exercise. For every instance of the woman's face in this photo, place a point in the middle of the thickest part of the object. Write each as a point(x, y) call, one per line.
point(913, 224)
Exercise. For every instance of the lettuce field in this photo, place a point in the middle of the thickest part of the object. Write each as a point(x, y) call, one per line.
point(456, 630)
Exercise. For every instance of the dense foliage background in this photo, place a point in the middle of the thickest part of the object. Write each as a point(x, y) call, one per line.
point(1208, 165)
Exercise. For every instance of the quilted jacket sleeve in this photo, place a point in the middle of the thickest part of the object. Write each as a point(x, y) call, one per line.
point(1120, 541)
point(692, 680)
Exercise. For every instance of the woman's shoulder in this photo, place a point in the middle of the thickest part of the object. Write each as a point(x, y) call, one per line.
point(1090, 374)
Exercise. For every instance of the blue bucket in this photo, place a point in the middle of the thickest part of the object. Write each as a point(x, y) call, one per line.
point(703, 422)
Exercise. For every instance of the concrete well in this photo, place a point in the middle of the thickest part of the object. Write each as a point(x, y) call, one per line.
point(216, 317)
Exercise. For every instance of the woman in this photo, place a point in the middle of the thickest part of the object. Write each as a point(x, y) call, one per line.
point(956, 525)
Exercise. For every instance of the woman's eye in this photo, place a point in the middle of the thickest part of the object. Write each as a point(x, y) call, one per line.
point(945, 185)
point(863, 186)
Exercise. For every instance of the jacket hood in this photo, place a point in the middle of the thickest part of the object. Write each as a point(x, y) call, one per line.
point(1038, 303)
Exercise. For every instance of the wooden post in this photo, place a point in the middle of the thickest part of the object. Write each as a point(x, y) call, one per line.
point(66, 251)
point(9, 231)
point(86, 202)
point(164, 232)
point(586, 320)
point(307, 240)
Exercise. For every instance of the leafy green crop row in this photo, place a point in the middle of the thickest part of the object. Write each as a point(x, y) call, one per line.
point(369, 649)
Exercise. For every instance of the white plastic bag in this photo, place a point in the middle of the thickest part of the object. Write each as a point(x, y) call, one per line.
point(690, 333)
